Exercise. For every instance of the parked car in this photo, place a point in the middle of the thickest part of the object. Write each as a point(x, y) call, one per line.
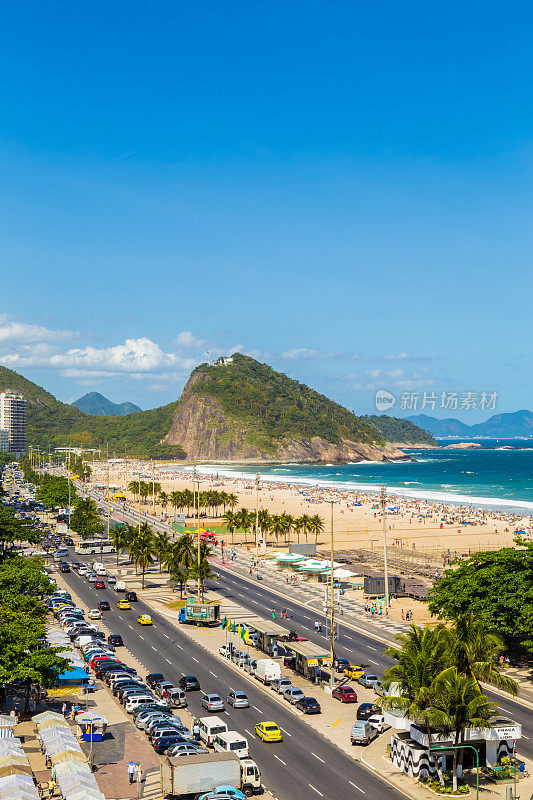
point(212, 702)
point(165, 742)
point(238, 700)
point(153, 678)
point(378, 723)
point(293, 694)
point(189, 683)
point(341, 664)
point(94, 613)
point(280, 685)
point(309, 705)
point(187, 749)
point(368, 680)
point(346, 694)
point(354, 672)
point(366, 710)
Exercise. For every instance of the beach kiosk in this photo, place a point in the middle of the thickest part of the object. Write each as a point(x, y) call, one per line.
point(268, 634)
point(91, 726)
point(309, 658)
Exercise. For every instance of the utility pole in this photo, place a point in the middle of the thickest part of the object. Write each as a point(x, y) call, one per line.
point(107, 503)
point(257, 515)
point(198, 533)
point(68, 478)
point(383, 498)
point(153, 489)
point(332, 604)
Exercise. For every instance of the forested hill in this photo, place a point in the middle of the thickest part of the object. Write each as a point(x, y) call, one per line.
point(400, 431)
point(277, 405)
point(240, 410)
point(55, 424)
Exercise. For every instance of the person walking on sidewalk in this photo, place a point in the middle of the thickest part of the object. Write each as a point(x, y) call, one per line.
point(131, 771)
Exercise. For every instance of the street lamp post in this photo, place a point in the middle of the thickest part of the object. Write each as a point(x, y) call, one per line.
point(462, 747)
point(332, 603)
point(197, 482)
point(256, 515)
point(383, 498)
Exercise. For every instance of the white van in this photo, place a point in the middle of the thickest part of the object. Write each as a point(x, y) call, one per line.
point(267, 670)
point(231, 742)
point(211, 727)
point(120, 586)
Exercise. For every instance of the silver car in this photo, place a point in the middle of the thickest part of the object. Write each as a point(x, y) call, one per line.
point(213, 702)
point(238, 700)
point(186, 749)
point(293, 694)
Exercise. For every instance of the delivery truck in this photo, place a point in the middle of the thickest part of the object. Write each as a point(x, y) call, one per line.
point(200, 614)
point(185, 776)
point(267, 670)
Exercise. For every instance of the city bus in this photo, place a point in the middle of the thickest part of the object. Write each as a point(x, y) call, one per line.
point(90, 546)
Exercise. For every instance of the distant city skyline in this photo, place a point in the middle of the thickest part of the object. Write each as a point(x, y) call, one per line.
point(340, 190)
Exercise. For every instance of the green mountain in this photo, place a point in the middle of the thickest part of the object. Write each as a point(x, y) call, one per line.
point(98, 405)
point(55, 424)
point(241, 410)
point(400, 431)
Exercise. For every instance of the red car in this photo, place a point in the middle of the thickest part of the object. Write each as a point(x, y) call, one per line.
point(345, 694)
point(99, 585)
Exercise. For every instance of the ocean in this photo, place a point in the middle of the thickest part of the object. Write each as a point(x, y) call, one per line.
point(490, 477)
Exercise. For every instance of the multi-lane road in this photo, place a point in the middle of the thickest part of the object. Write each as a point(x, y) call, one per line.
point(358, 647)
point(304, 765)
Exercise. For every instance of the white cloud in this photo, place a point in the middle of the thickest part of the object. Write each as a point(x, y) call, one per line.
point(20, 332)
point(136, 359)
point(393, 378)
point(189, 339)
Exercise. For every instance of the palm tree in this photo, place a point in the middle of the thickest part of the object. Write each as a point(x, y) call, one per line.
point(264, 521)
point(288, 524)
point(179, 575)
point(305, 521)
point(174, 499)
point(277, 526)
point(230, 520)
point(203, 572)
point(245, 520)
point(459, 705)
point(420, 655)
point(133, 486)
point(119, 539)
point(186, 550)
point(172, 560)
point(232, 501)
point(316, 526)
point(161, 544)
point(163, 499)
point(143, 550)
point(474, 651)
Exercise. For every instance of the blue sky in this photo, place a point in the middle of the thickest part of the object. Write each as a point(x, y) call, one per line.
point(341, 189)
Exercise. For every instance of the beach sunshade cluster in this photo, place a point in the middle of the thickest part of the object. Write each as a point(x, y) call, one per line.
point(73, 774)
point(16, 776)
point(7, 721)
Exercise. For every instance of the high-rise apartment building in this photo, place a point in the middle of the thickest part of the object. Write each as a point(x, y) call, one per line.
point(13, 421)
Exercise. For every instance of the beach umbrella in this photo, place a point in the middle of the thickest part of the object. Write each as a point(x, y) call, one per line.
point(7, 721)
point(10, 747)
point(67, 755)
point(53, 723)
point(13, 758)
point(15, 769)
point(45, 716)
point(86, 795)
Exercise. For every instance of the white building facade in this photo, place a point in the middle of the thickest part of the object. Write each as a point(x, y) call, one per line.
point(13, 422)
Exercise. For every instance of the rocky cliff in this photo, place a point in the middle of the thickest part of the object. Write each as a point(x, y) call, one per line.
point(207, 432)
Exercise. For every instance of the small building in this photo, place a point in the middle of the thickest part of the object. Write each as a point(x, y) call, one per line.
point(309, 659)
point(268, 634)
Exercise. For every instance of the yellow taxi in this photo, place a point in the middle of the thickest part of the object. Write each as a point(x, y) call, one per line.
point(144, 619)
point(124, 605)
point(268, 732)
point(354, 672)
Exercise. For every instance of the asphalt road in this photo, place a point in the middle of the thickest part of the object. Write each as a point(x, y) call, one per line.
point(304, 765)
point(358, 648)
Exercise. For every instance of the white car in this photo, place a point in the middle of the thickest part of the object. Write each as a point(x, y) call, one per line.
point(224, 650)
point(83, 570)
point(111, 579)
point(378, 722)
point(94, 613)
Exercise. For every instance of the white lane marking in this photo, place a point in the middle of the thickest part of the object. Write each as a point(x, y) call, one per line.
point(284, 731)
point(506, 710)
point(257, 709)
point(141, 637)
point(179, 645)
point(368, 648)
point(280, 759)
point(248, 732)
point(315, 790)
point(212, 673)
point(168, 661)
point(130, 626)
point(195, 659)
point(154, 648)
point(372, 661)
point(356, 787)
point(524, 736)
point(318, 757)
point(166, 634)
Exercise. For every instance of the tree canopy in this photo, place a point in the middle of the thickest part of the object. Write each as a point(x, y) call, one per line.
point(497, 587)
point(85, 519)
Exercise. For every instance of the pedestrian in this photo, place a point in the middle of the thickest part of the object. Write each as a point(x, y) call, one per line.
point(64, 709)
point(196, 730)
point(403, 614)
point(316, 626)
point(131, 770)
point(273, 615)
point(140, 775)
